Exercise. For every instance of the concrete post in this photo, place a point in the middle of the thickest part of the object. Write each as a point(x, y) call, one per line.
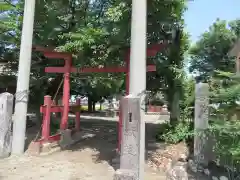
point(6, 107)
point(201, 122)
point(19, 126)
point(137, 74)
point(130, 158)
point(138, 47)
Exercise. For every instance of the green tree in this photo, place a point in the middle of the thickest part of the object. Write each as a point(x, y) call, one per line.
point(98, 34)
point(210, 53)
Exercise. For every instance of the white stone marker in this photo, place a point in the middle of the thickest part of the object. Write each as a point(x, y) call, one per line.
point(6, 108)
point(130, 158)
point(201, 122)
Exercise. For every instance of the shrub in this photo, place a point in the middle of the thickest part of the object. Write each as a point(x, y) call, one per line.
point(227, 137)
point(183, 131)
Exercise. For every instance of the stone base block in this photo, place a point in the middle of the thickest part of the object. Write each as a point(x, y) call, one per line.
point(41, 149)
point(66, 138)
point(69, 138)
point(124, 174)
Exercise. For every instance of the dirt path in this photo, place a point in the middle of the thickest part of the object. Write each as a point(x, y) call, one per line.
point(88, 160)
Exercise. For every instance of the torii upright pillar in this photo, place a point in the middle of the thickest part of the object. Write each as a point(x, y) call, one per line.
point(21, 102)
point(132, 158)
point(137, 77)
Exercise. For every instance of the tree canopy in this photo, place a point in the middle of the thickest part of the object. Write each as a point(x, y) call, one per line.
point(98, 34)
point(211, 51)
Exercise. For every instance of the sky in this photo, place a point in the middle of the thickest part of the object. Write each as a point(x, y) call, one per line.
point(202, 13)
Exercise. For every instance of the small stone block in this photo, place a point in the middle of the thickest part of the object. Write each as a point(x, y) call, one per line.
point(66, 138)
point(124, 174)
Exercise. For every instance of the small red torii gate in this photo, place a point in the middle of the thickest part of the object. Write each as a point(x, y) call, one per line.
point(152, 50)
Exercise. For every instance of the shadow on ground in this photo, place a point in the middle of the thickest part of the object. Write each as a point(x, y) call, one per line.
point(105, 139)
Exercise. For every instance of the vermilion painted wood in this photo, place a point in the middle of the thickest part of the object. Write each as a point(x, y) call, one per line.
point(152, 50)
point(43, 49)
point(150, 68)
point(53, 138)
point(57, 55)
point(66, 92)
point(85, 70)
point(67, 69)
point(57, 108)
point(46, 118)
point(54, 109)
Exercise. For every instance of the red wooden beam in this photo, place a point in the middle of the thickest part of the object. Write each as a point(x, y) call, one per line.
point(102, 70)
point(58, 70)
point(54, 109)
point(57, 55)
point(151, 68)
point(85, 70)
point(50, 53)
point(93, 70)
point(52, 138)
point(152, 50)
point(43, 49)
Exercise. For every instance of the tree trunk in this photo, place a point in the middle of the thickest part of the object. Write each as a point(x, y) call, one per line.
point(89, 105)
point(175, 109)
point(94, 106)
point(100, 108)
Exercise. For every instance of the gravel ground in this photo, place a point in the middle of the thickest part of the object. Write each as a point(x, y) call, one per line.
point(87, 160)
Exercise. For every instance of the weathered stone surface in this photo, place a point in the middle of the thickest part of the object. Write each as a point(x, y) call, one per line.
point(201, 147)
point(66, 138)
point(133, 137)
point(178, 172)
point(124, 174)
point(6, 108)
point(131, 134)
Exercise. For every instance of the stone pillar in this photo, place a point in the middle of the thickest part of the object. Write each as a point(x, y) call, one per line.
point(6, 108)
point(201, 123)
point(131, 166)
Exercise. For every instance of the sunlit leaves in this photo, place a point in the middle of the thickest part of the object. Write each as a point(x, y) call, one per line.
point(211, 51)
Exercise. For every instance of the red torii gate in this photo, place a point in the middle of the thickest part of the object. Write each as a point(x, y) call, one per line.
point(67, 69)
